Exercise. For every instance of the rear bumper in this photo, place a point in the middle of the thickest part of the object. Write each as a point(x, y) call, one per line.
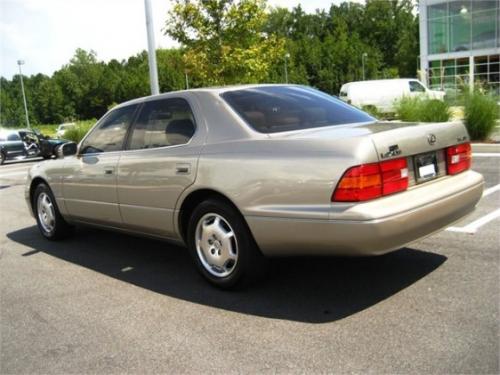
point(375, 227)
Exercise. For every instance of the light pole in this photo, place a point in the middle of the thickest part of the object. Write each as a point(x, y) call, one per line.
point(21, 62)
point(287, 56)
point(187, 80)
point(153, 71)
point(363, 57)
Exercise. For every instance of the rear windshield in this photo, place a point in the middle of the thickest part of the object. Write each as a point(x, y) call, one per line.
point(272, 109)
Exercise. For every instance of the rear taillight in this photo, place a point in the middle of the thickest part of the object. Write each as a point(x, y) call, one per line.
point(458, 158)
point(369, 181)
point(394, 176)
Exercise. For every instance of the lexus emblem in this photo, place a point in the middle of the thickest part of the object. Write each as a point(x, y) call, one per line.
point(431, 138)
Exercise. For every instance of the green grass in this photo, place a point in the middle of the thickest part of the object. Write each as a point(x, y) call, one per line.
point(422, 110)
point(77, 133)
point(73, 135)
point(480, 114)
point(47, 129)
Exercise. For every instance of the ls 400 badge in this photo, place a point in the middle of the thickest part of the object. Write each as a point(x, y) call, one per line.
point(394, 150)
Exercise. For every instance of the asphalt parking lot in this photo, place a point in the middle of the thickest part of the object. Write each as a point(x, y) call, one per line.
point(103, 302)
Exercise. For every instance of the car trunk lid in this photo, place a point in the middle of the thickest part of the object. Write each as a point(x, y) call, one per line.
point(396, 139)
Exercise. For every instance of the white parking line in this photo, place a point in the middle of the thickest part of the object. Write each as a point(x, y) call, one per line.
point(486, 154)
point(491, 190)
point(476, 224)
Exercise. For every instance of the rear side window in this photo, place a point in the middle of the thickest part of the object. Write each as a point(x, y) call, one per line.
point(165, 122)
point(272, 109)
point(416, 87)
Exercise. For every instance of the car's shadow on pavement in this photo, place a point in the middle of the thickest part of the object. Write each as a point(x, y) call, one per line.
point(314, 290)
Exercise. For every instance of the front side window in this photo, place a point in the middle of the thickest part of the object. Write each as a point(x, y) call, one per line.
point(165, 122)
point(272, 109)
point(416, 87)
point(109, 135)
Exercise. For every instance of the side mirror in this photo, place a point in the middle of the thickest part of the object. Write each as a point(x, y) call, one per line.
point(66, 149)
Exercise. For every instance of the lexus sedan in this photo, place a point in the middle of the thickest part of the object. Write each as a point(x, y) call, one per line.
point(242, 173)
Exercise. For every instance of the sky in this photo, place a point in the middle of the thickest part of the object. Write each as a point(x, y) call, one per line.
point(46, 33)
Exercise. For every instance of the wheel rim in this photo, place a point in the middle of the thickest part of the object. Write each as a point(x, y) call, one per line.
point(46, 213)
point(216, 245)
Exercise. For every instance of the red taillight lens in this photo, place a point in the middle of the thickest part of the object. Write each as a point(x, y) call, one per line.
point(394, 176)
point(458, 158)
point(369, 181)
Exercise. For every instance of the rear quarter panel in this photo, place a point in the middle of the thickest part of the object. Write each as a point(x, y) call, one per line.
point(280, 178)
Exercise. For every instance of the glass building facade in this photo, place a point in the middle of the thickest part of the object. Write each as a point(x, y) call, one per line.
point(460, 43)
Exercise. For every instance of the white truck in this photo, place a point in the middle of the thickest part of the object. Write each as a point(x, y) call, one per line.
point(384, 93)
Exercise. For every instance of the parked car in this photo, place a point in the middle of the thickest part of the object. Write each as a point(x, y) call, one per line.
point(47, 145)
point(17, 144)
point(383, 94)
point(11, 145)
point(61, 129)
point(242, 173)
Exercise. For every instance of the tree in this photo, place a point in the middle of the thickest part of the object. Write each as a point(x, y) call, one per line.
point(224, 40)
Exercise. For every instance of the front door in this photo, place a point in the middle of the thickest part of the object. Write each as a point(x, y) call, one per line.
point(89, 185)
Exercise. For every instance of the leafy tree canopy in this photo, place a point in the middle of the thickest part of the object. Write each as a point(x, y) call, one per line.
point(226, 42)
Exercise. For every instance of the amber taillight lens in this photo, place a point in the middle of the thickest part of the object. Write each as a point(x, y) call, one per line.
point(458, 158)
point(370, 181)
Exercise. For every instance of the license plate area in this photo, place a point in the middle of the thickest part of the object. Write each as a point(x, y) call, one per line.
point(426, 167)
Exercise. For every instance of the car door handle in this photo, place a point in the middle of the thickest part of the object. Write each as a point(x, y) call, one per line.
point(183, 168)
point(109, 170)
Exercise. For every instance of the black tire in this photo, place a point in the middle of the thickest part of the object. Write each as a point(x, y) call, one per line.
point(250, 265)
point(60, 228)
point(2, 158)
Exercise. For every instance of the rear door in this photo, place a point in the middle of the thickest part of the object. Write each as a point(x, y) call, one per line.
point(89, 185)
point(159, 163)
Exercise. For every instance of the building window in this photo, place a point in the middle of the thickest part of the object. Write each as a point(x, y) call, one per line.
point(462, 25)
point(484, 20)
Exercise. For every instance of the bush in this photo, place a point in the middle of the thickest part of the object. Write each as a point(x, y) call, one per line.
point(417, 109)
point(407, 109)
point(480, 115)
point(433, 110)
point(372, 111)
point(77, 133)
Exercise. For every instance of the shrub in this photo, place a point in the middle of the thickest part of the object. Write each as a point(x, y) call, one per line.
point(407, 109)
point(417, 109)
point(480, 115)
point(372, 111)
point(77, 133)
point(433, 110)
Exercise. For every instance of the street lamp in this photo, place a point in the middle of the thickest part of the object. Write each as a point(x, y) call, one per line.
point(153, 70)
point(363, 57)
point(187, 80)
point(21, 62)
point(287, 56)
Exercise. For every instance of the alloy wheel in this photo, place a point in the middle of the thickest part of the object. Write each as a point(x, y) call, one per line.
point(216, 245)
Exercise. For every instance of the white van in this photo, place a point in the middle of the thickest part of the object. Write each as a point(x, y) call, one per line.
point(61, 129)
point(383, 93)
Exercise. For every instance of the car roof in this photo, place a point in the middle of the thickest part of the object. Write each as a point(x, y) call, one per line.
point(214, 90)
